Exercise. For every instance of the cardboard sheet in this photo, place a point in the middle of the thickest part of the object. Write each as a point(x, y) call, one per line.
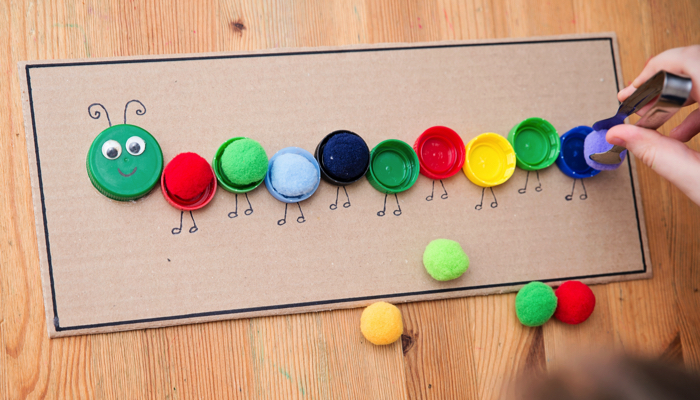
point(111, 266)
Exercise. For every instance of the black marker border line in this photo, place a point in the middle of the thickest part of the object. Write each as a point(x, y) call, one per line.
point(313, 303)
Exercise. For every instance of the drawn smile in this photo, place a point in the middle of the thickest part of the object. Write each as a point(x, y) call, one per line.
point(126, 175)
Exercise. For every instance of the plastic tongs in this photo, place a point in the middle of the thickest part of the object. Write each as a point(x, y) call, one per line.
point(670, 92)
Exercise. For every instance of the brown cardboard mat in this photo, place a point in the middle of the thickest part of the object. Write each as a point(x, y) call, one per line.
point(111, 266)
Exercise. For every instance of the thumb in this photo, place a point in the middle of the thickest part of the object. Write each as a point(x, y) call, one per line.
point(668, 157)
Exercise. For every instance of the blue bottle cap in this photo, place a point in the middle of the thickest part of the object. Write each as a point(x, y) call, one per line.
point(295, 182)
point(571, 160)
point(343, 157)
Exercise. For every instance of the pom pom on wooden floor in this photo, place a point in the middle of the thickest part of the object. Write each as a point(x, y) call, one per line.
point(575, 304)
point(381, 323)
point(535, 304)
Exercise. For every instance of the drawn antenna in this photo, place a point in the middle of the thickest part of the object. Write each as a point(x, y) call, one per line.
point(97, 113)
point(138, 110)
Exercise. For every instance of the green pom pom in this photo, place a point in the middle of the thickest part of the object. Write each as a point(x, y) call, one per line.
point(445, 260)
point(244, 162)
point(535, 304)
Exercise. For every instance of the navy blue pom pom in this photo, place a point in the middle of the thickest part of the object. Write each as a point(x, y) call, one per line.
point(345, 157)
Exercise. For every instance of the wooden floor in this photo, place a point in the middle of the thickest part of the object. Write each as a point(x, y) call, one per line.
point(464, 348)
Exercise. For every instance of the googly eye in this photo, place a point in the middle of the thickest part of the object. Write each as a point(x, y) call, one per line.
point(135, 145)
point(111, 149)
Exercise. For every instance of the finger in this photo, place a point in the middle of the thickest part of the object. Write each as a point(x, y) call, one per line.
point(669, 60)
point(670, 158)
point(625, 93)
point(681, 61)
point(687, 129)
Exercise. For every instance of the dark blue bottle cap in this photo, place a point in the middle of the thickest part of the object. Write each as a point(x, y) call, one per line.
point(343, 157)
point(571, 160)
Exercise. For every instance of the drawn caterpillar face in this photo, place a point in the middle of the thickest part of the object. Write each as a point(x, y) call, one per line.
point(124, 162)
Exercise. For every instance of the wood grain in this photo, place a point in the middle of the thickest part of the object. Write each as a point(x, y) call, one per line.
point(430, 328)
point(471, 348)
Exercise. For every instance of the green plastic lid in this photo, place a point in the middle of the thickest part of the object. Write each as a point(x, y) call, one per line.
point(536, 144)
point(124, 162)
point(224, 181)
point(393, 166)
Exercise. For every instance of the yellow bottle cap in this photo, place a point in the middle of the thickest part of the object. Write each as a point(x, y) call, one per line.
point(490, 160)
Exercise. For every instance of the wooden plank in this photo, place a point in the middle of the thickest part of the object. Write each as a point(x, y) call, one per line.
point(357, 368)
point(285, 358)
point(648, 316)
point(503, 347)
point(438, 350)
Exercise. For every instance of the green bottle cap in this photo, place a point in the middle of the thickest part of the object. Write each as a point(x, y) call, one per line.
point(224, 180)
point(536, 144)
point(124, 162)
point(393, 166)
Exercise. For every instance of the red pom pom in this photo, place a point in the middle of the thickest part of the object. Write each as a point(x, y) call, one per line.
point(575, 303)
point(187, 176)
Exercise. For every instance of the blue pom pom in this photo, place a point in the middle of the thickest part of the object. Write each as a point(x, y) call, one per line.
point(345, 157)
point(293, 175)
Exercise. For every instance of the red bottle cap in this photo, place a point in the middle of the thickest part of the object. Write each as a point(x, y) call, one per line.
point(440, 151)
point(200, 199)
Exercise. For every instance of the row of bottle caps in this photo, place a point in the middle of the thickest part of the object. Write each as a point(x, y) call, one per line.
point(341, 158)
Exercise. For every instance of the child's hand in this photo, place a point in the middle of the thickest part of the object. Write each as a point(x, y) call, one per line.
point(668, 156)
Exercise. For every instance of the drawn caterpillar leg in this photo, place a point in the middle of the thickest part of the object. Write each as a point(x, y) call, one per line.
point(383, 212)
point(300, 219)
point(397, 212)
point(494, 203)
point(234, 213)
point(346, 204)
point(583, 196)
point(335, 205)
point(478, 206)
point(193, 229)
point(538, 188)
point(249, 210)
point(523, 190)
point(444, 195)
point(430, 198)
point(283, 220)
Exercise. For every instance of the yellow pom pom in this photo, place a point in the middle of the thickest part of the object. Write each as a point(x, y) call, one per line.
point(381, 323)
